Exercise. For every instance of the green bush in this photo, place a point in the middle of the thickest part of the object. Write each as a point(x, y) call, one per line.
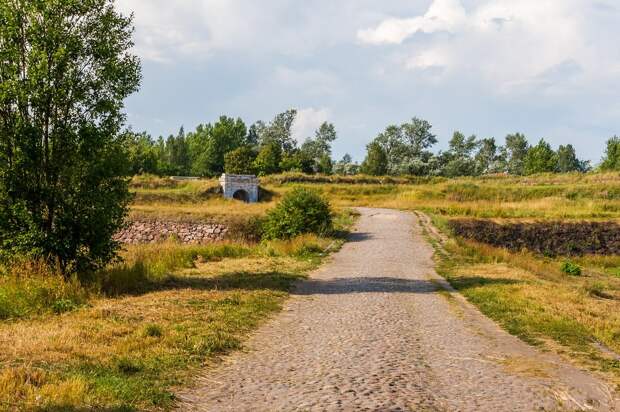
point(571, 268)
point(153, 331)
point(300, 211)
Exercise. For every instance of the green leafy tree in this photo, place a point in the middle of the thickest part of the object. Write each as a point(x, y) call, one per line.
point(65, 69)
point(209, 143)
point(226, 135)
point(394, 147)
point(319, 149)
point(142, 154)
point(540, 159)
point(200, 157)
point(240, 161)
point(488, 159)
point(611, 161)
point(568, 161)
point(268, 160)
point(297, 161)
point(346, 166)
point(178, 154)
point(417, 134)
point(376, 162)
point(278, 132)
point(325, 165)
point(515, 150)
point(406, 147)
point(458, 160)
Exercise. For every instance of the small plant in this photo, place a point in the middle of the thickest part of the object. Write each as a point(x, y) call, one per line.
point(300, 211)
point(153, 331)
point(63, 305)
point(571, 268)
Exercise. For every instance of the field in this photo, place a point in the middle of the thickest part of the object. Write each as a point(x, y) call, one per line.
point(125, 339)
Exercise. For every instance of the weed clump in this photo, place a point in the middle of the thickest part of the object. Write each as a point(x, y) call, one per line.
point(571, 268)
point(153, 331)
point(300, 211)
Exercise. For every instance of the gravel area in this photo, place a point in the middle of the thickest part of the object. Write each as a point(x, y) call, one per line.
point(375, 330)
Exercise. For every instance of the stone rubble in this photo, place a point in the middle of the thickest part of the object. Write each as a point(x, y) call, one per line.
point(141, 232)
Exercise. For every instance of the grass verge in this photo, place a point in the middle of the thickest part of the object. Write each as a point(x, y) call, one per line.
point(531, 297)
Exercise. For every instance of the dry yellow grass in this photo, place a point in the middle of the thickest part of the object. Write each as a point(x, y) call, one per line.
point(569, 196)
point(531, 297)
point(128, 352)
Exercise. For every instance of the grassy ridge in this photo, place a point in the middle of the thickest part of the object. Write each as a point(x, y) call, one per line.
point(570, 196)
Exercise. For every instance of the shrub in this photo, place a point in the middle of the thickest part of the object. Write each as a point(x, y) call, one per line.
point(153, 331)
point(300, 211)
point(571, 268)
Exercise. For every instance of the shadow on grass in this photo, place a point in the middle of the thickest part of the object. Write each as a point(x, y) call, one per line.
point(462, 283)
point(273, 280)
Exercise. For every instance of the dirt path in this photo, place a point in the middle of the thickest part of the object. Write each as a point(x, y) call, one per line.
point(374, 330)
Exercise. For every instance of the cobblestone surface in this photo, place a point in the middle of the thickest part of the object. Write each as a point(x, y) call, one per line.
point(371, 331)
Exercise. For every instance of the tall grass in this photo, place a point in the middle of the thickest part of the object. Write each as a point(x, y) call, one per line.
point(32, 288)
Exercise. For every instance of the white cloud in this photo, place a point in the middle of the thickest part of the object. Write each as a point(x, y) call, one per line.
point(192, 29)
point(308, 121)
point(511, 46)
point(428, 59)
point(442, 15)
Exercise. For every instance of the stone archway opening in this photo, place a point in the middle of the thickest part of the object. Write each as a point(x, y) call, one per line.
point(241, 195)
point(240, 187)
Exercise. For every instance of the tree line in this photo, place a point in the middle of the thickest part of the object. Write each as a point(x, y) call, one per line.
point(404, 149)
point(228, 145)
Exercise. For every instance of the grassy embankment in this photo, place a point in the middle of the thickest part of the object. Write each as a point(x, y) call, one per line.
point(527, 293)
point(124, 338)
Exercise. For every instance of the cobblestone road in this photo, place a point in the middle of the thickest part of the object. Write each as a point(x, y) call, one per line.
point(373, 331)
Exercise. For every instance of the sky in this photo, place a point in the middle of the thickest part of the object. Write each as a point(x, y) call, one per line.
point(546, 68)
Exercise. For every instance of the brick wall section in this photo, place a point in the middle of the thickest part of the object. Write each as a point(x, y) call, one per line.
point(159, 231)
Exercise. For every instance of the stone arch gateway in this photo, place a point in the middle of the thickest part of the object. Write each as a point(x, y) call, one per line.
point(240, 187)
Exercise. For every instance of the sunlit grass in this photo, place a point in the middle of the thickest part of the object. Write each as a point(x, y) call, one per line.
point(531, 297)
point(149, 323)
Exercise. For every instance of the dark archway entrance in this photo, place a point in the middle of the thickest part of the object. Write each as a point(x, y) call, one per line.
point(241, 195)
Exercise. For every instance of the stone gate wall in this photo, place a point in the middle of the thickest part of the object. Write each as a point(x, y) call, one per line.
point(233, 183)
